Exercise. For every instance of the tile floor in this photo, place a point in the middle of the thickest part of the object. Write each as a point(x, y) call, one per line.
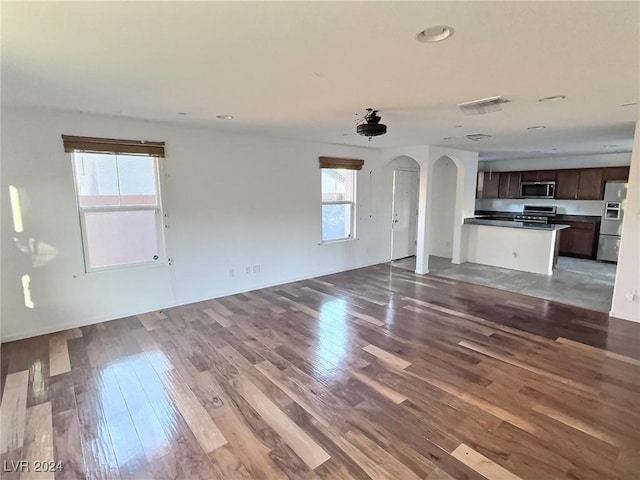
point(585, 283)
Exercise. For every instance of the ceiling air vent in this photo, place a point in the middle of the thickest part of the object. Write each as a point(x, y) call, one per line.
point(476, 137)
point(485, 105)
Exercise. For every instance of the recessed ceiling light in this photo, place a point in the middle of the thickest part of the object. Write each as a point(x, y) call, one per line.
point(182, 113)
point(554, 149)
point(434, 34)
point(610, 146)
point(629, 104)
point(449, 138)
point(318, 74)
point(552, 98)
point(536, 127)
point(225, 117)
point(458, 126)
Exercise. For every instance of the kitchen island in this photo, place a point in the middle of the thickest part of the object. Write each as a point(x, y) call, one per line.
point(528, 247)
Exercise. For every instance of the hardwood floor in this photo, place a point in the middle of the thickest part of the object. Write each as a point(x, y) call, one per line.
point(375, 373)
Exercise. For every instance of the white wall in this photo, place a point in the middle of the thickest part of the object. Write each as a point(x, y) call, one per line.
point(626, 300)
point(467, 174)
point(443, 200)
point(549, 163)
point(232, 201)
point(565, 207)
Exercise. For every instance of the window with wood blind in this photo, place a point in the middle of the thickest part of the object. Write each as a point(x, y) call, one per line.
point(338, 187)
point(118, 191)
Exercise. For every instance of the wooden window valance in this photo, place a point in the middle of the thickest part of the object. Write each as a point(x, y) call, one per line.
point(111, 145)
point(347, 163)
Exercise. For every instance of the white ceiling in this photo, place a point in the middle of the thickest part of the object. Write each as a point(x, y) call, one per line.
point(304, 69)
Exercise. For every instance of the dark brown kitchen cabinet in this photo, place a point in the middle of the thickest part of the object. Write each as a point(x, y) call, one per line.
point(539, 176)
point(579, 240)
point(488, 183)
point(567, 184)
point(509, 185)
point(616, 173)
point(591, 184)
point(565, 240)
point(571, 184)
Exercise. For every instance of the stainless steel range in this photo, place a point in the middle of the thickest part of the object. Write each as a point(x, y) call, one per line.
point(536, 214)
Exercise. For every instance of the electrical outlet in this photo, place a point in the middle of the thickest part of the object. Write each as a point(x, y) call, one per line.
point(632, 295)
point(256, 269)
point(247, 270)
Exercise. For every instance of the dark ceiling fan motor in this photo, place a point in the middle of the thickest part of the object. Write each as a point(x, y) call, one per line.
point(371, 127)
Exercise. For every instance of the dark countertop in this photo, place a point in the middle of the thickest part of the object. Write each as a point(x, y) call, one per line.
point(578, 218)
point(561, 217)
point(548, 227)
point(496, 213)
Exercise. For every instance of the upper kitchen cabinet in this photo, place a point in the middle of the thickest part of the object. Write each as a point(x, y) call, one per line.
point(567, 184)
point(591, 184)
point(488, 184)
point(509, 185)
point(571, 184)
point(616, 173)
point(539, 176)
point(582, 184)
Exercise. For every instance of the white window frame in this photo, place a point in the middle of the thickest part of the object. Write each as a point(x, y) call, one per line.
point(158, 209)
point(352, 226)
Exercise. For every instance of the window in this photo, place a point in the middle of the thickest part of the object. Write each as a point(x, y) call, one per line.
point(338, 203)
point(119, 204)
point(338, 185)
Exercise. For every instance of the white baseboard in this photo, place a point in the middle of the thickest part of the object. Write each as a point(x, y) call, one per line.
point(625, 316)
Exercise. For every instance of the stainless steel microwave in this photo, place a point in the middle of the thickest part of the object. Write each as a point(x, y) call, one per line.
point(538, 189)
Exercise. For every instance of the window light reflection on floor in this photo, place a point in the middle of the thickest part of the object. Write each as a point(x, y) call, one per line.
point(333, 336)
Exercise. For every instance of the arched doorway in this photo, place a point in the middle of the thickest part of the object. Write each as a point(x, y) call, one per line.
point(404, 212)
point(443, 208)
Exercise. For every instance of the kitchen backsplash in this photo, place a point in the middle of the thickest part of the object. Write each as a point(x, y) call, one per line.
point(565, 207)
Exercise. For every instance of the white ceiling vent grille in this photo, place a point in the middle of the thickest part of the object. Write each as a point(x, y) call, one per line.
point(476, 137)
point(482, 106)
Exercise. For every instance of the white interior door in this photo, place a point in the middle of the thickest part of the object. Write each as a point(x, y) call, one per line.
point(405, 213)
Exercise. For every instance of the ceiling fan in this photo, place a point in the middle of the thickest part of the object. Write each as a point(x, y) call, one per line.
point(369, 125)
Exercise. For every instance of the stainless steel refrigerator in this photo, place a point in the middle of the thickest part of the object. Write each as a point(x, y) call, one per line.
point(615, 196)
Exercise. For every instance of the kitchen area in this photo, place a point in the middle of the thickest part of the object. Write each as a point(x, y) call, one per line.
point(552, 233)
point(590, 201)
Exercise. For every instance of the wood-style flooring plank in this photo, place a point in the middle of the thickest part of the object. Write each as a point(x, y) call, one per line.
point(387, 357)
point(13, 411)
point(525, 366)
point(308, 450)
point(58, 354)
point(482, 465)
point(575, 423)
point(38, 442)
point(67, 446)
point(382, 389)
point(599, 351)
